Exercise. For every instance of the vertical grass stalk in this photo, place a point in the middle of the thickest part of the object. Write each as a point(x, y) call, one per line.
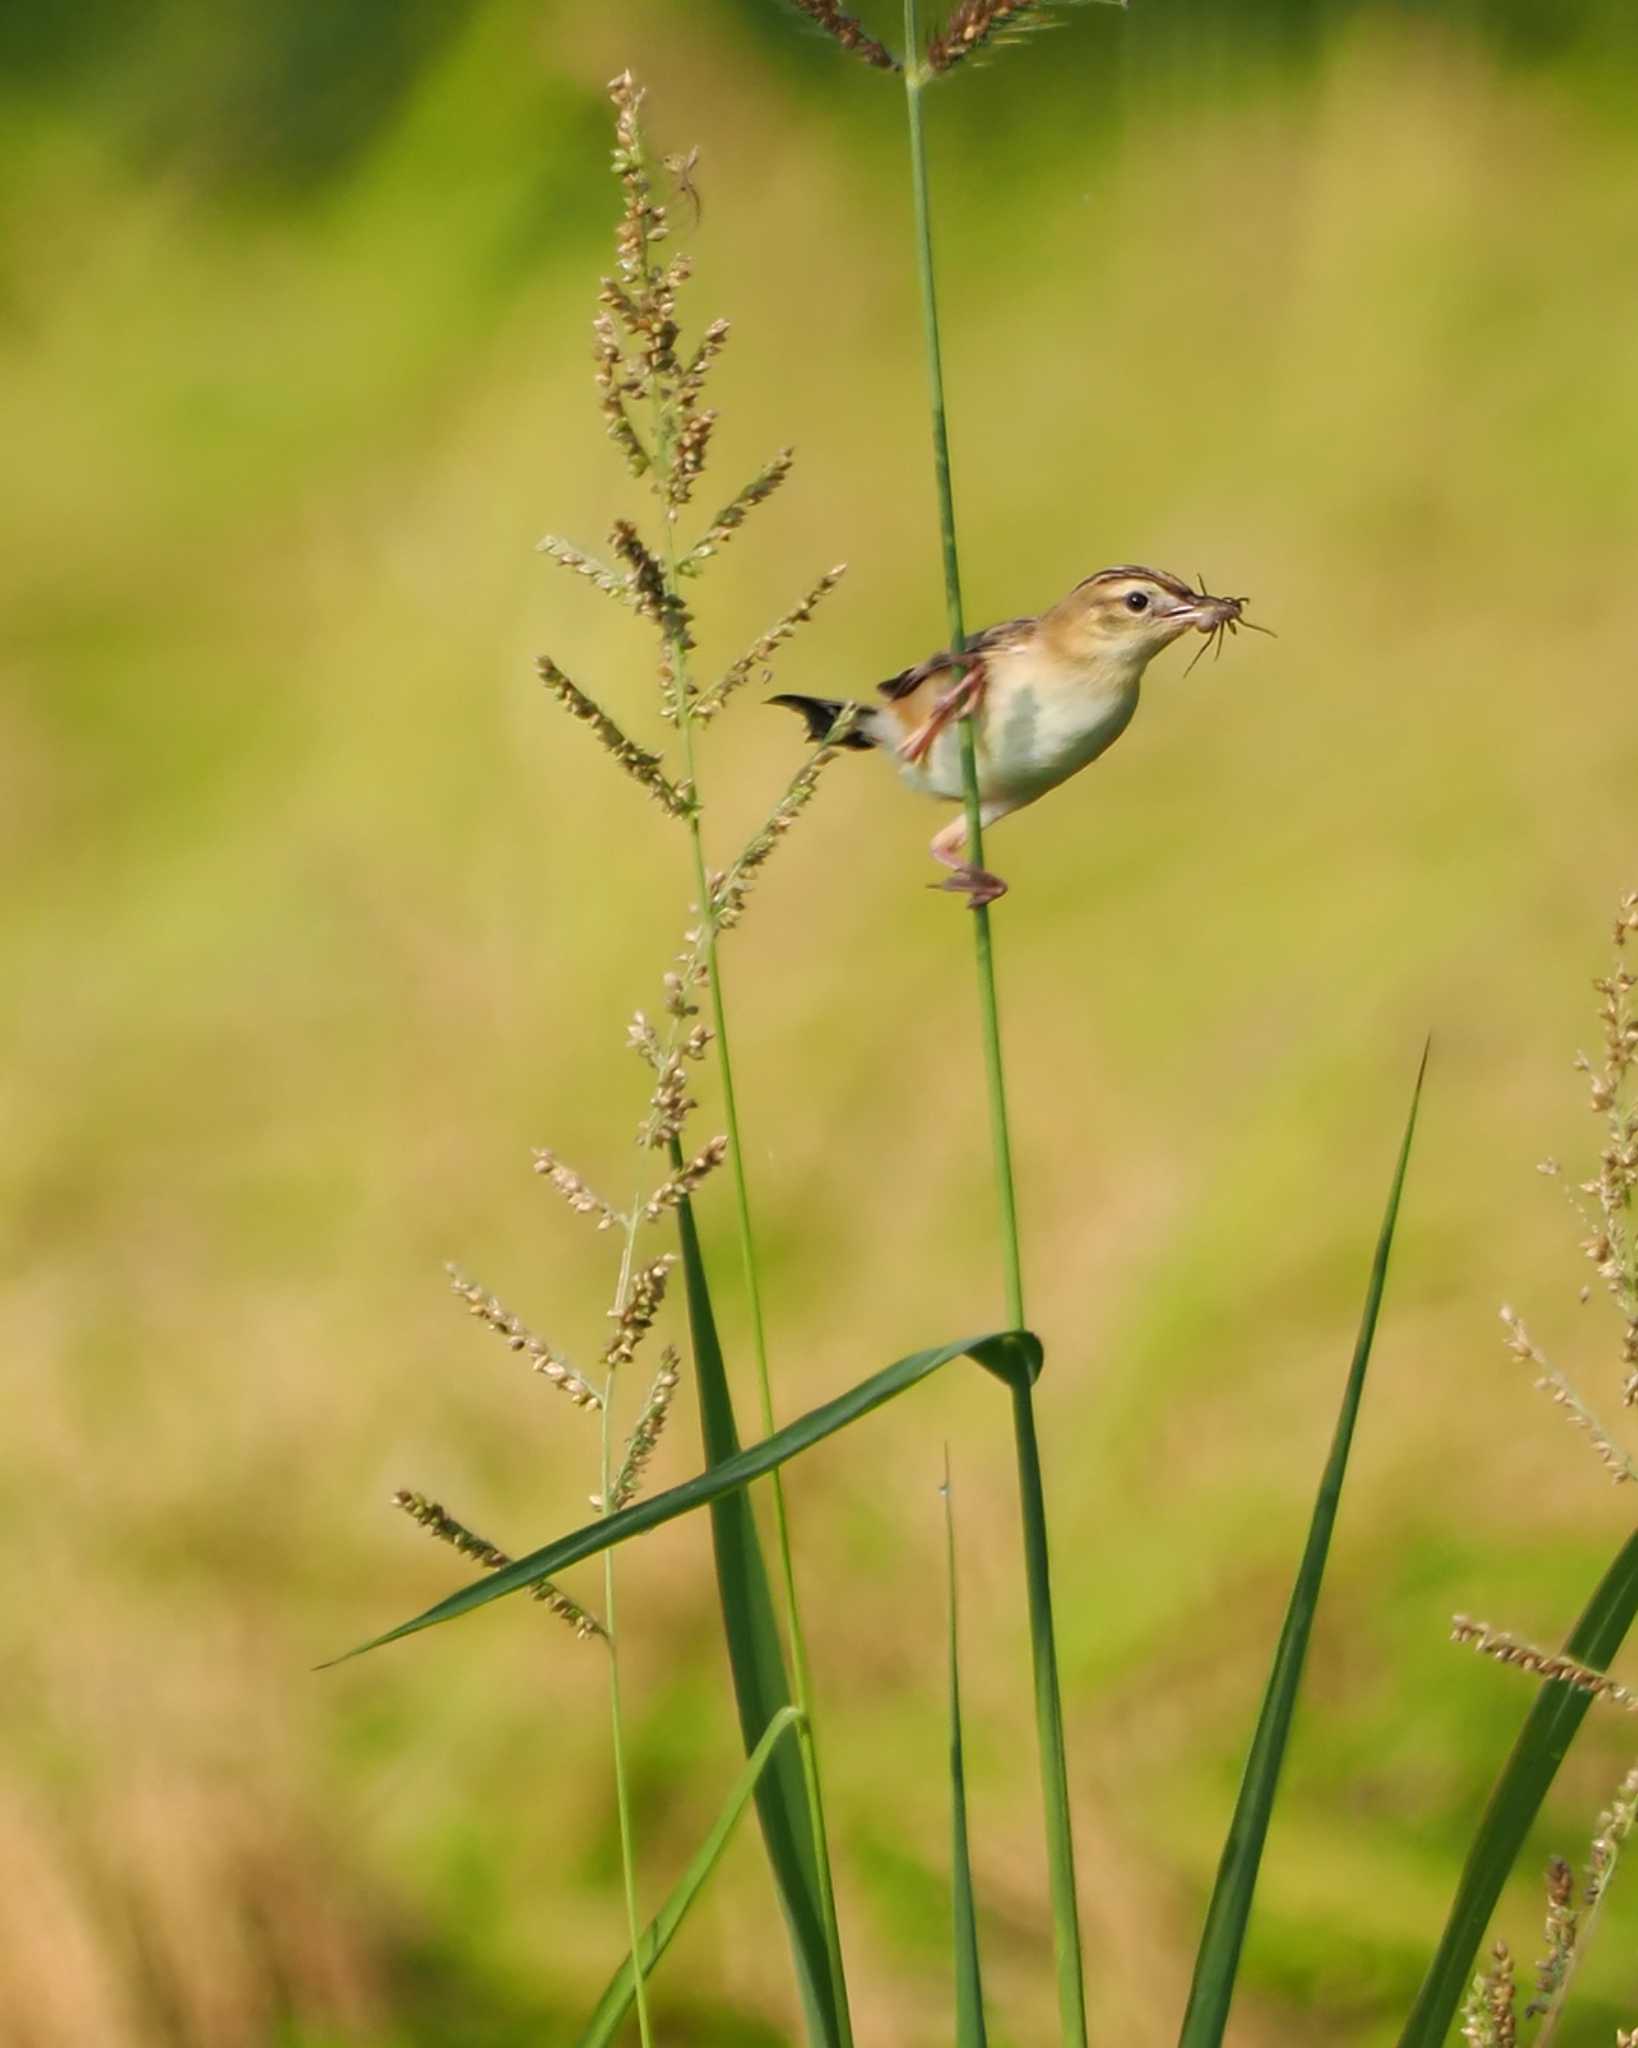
point(622, 1789)
point(807, 1741)
point(1032, 1505)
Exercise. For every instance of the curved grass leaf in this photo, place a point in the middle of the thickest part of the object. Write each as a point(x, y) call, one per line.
point(1543, 1742)
point(1009, 1354)
point(969, 1983)
point(1218, 1961)
point(616, 2001)
point(756, 1660)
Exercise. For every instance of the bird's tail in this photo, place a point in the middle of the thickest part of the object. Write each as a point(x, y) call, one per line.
point(819, 715)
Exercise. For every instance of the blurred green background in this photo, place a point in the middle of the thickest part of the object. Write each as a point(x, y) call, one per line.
point(318, 914)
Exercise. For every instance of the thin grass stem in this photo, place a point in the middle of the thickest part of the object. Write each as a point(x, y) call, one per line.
point(1032, 1504)
point(622, 1790)
point(1000, 1133)
point(807, 1737)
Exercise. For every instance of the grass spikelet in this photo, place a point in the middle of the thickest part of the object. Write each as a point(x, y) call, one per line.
point(582, 1199)
point(489, 1309)
point(1488, 2012)
point(682, 1184)
point(843, 29)
point(615, 384)
point(1611, 1244)
point(598, 574)
point(710, 701)
point(634, 1315)
point(1553, 1970)
point(435, 1519)
point(710, 346)
point(1569, 1939)
point(668, 1106)
point(1543, 1664)
point(646, 582)
point(975, 23)
point(641, 225)
point(729, 891)
point(645, 1435)
point(1615, 1826)
point(641, 765)
point(1563, 1395)
point(737, 510)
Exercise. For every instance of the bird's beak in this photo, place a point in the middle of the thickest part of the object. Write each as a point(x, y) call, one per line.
point(1207, 614)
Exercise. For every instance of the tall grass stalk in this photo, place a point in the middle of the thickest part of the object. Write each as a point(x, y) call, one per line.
point(669, 454)
point(1032, 1502)
point(622, 1786)
point(807, 1740)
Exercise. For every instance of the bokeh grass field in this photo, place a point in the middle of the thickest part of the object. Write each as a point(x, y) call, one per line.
point(318, 915)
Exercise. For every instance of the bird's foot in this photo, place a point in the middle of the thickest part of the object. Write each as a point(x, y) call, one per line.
point(978, 885)
point(960, 700)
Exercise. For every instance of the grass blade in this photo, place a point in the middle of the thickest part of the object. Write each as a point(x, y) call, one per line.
point(1009, 1354)
point(1218, 1961)
point(757, 1663)
point(616, 2001)
point(1543, 1742)
point(969, 1983)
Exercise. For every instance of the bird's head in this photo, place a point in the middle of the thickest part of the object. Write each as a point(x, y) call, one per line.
point(1119, 619)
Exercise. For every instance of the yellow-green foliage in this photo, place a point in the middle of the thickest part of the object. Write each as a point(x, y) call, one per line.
point(317, 915)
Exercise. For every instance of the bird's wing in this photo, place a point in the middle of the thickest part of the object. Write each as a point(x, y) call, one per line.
point(908, 681)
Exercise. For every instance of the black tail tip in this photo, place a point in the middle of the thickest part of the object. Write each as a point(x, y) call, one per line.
point(819, 715)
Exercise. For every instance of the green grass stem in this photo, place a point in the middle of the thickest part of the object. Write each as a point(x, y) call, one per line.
point(807, 1738)
point(970, 2031)
point(616, 2001)
point(622, 1787)
point(1038, 1580)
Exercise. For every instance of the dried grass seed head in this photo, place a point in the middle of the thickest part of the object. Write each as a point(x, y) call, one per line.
point(438, 1522)
point(1615, 1826)
point(582, 1199)
point(730, 890)
point(635, 1314)
point(1562, 1925)
point(1563, 1395)
point(672, 1193)
point(645, 1436)
point(1488, 2012)
point(1544, 1664)
point(842, 28)
point(975, 24)
point(761, 650)
point(492, 1311)
point(643, 767)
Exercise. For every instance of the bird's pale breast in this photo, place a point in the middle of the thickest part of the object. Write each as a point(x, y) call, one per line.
point(1039, 724)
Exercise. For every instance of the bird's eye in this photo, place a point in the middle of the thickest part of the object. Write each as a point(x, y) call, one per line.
point(1137, 600)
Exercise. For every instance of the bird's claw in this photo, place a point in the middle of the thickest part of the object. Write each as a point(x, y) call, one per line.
point(978, 885)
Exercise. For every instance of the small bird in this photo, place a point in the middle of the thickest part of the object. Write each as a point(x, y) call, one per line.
point(1047, 695)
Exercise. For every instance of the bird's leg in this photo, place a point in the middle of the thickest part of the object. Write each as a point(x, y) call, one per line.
point(978, 885)
point(962, 697)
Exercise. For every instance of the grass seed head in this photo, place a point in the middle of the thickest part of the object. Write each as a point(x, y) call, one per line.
point(582, 1199)
point(489, 1309)
point(975, 23)
point(437, 1521)
point(634, 1316)
point(1553, 1969)
point(646, 1433)
point(641, 765)
point(843, 29)
point(1544, 1664)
